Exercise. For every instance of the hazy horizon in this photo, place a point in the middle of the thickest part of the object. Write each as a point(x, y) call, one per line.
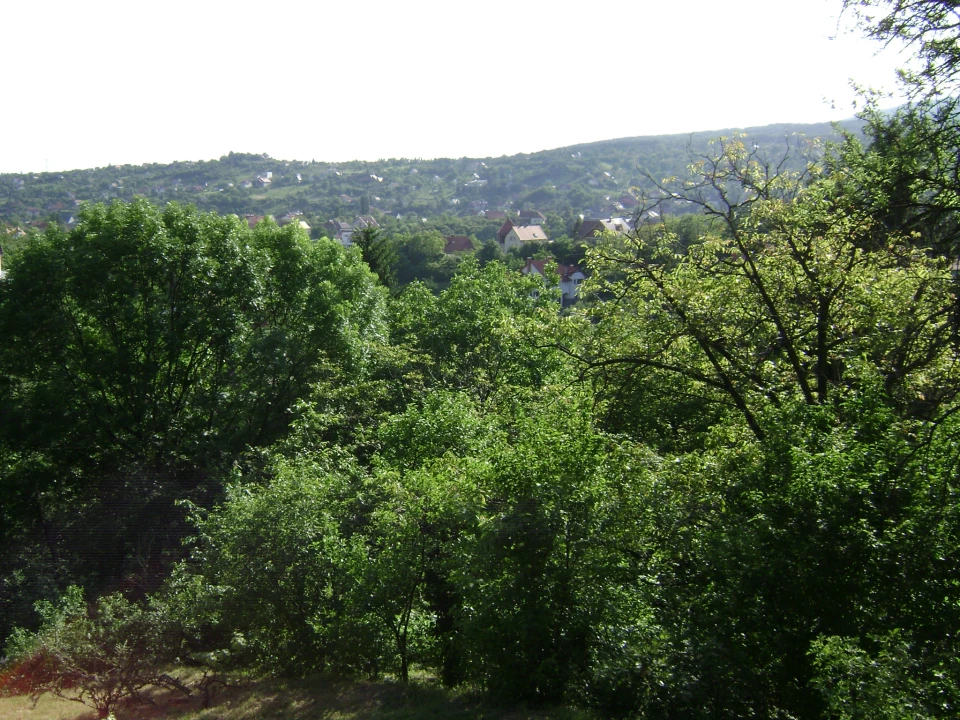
point(151, 83)
point(426, 158)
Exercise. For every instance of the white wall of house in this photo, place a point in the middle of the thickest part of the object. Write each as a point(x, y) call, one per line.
point(571, 288)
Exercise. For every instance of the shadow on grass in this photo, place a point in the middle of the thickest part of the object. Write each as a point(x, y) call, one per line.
point(322, 698)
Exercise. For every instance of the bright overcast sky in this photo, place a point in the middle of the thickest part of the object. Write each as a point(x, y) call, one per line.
point(92, 82)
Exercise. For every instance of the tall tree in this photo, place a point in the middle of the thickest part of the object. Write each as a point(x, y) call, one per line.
point(144, 353)
point(908, 174)
point(776, 301)
point(379, 253)
point(931, 28)
point(798, 362)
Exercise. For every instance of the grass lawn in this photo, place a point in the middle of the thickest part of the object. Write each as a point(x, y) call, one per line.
point(318, 698)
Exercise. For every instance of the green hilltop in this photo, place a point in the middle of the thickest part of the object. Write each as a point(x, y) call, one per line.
point(594, 179)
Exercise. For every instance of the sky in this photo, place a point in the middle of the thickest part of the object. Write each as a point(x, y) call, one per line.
point(90, 83)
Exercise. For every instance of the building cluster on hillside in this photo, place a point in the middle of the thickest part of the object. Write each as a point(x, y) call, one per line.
point(36, 200)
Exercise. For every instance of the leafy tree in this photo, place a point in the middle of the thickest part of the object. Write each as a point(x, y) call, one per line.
point(546, 569)
point(409, 529)
point(144, 353)
point(342, 579)
point(488, 252)
point(445, 422)
point(780, 304)
point(481, 335)
point(907, 175)
point(417, 252)
point(292, 611)
point(929, 27)
point(858, 683)
point(797, 369)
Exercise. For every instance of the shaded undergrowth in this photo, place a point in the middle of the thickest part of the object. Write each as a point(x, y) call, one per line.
point(315, 698)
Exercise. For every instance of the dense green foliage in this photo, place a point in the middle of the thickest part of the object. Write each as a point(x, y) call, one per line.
point(724, 486)
point(145, 354)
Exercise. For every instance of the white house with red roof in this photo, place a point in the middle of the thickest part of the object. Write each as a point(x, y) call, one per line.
point(570, 277)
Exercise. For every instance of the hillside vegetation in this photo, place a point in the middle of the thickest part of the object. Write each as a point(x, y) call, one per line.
point(720, 483)
point(585, 179)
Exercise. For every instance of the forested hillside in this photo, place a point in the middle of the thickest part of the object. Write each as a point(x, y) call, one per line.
point(584, 179)
point(722, 485)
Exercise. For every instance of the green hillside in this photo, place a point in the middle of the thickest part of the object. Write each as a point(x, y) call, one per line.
point(594, 179)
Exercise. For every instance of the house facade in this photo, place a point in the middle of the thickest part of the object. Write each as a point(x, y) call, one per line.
point(594, 227)
point(339, 231)
point(516, 236)
point(570, 277)
point(531, 217)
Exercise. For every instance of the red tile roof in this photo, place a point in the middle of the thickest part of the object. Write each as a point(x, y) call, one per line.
point(564, 271)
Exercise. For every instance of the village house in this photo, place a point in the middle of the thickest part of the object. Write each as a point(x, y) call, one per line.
point(531, 217)
point(594, 227)
point(342, 231)
point(516, 235)
point(457, 244)
point(364, 221)
point(339, 231)
point(570, 277)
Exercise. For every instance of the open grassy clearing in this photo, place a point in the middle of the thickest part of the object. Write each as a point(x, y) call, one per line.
point(317, 698)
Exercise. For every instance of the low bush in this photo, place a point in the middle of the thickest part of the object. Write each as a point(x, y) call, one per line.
point(96, 654)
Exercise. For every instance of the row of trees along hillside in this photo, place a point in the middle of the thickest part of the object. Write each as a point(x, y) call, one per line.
point(724, 487)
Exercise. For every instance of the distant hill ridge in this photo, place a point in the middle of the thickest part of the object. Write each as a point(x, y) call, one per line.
point(596, 178)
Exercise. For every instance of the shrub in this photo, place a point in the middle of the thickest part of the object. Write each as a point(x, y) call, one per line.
point(96, 655)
